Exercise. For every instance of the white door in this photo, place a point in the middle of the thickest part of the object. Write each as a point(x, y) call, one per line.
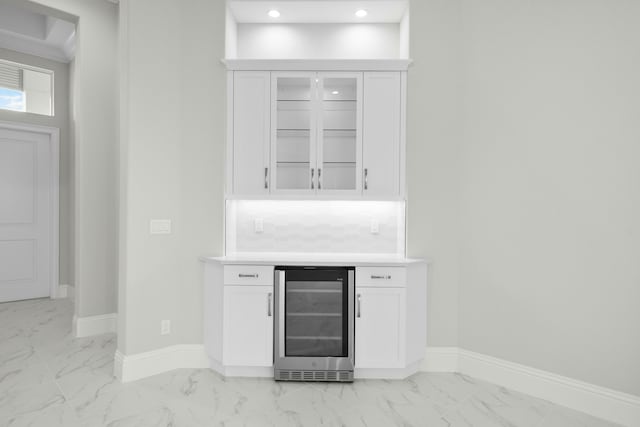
point(25, 215)
point(380, 327)
point(248, 326)
point(381, 134)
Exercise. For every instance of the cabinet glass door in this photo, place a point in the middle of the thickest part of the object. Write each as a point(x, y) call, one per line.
point(339, 132)
point(293, 125)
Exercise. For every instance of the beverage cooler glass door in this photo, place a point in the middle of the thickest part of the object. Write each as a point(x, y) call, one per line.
point(314, 326)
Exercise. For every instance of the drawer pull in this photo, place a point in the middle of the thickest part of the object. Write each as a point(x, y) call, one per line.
point(373, 276)
point(253, 276)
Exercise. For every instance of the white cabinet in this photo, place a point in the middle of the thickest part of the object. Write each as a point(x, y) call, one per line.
point(380, 328)
point(390, 327)
point(382, 134)
point(250, 126)
point(390, 319)
point(316, 135)
point(248, 326)
point(238, 318)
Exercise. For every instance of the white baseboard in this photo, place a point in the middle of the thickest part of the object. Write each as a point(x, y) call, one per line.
point(64, 291)
point(601, 402)
point(136, 366)
point(94, 325)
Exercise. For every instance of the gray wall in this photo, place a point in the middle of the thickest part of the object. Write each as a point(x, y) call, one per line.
point(433, 159)
point(94, 123)
point(173, 115)
point(550, 231)
point(523, 184)
point(60, 121)
point(523, 148)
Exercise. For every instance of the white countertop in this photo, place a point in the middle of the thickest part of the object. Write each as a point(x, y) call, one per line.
point(314, 259)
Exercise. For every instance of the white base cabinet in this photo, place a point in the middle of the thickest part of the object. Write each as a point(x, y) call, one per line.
point(238, 319)
point(390, 318)
point(248, 326)
point(380, 327)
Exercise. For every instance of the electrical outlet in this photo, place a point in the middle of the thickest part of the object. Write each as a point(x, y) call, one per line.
point(375, 226)
point(258, 225)
point(165, 327)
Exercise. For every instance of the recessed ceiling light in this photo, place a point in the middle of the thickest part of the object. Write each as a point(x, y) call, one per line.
point(361, 13)
point(335, 92)
point(274, 13)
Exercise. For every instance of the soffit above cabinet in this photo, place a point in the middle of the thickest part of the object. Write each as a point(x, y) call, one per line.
point(317, 64)
point(318, 11)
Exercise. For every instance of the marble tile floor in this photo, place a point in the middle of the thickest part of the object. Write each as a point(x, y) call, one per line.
point(50, 379)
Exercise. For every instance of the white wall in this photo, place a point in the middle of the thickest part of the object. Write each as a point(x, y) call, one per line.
point(60, 121)
point(173, 104)
point(523, 181)
point(94, 118)
point(522, 176)
point(318, 41)
point(433, 159)
point(550, 244)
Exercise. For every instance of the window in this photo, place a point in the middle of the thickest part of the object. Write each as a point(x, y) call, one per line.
point(11, 99)
point(25, 88)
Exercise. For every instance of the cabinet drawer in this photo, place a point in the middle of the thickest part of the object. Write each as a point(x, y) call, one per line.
point(381, 276)
point(248, 275)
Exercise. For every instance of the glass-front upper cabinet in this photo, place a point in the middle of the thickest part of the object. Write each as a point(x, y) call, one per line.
point(316, 133)
point(293, 131)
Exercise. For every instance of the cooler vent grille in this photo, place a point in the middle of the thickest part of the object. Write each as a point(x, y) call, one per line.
point(289, 375)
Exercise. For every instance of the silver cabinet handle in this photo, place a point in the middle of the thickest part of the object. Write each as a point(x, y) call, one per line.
point(319, 179)
point(312, 187)
point(366, 179)
point(266, 180)
point(358, 305)
point(255, 276)
point(380, 277)
point(269, 314)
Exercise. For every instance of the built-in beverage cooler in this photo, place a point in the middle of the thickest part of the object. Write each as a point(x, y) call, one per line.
point(314, 323)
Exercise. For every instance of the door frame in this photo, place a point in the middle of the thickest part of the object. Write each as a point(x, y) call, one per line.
point(54, 195)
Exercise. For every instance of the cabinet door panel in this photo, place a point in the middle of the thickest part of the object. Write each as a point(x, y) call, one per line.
point(380, 327)
point(381, 133)
point(340, 133)
point(248, 326)
point(251, 124)
point(293, 134)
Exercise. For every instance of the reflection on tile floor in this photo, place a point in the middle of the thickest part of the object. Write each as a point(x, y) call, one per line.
point(49, 379)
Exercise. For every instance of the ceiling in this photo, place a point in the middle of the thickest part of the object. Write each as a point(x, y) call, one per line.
point(33, 31)
point(318, 11)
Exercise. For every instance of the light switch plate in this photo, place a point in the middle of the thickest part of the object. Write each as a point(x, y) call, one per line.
point(160, 226)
